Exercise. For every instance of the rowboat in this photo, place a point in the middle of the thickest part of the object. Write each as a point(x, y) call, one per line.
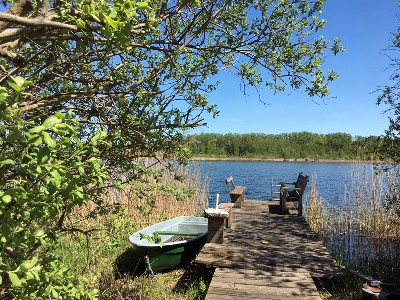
point(171, 243)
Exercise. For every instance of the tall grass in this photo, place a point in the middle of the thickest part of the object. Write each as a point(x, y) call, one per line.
point(103, 231)
point(363, 232)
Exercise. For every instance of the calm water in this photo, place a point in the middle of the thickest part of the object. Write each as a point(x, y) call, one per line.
point(257, 176)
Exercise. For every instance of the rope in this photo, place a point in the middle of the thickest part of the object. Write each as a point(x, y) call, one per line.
point(149, 270)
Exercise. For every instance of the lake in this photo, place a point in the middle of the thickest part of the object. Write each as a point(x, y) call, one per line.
point(331, 177)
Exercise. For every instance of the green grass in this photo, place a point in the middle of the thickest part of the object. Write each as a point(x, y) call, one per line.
point(181, 284)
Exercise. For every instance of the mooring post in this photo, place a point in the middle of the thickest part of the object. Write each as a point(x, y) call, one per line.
point(216, 224)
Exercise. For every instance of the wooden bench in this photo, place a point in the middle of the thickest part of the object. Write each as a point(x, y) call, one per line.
point(236, 192)
point(293, 194)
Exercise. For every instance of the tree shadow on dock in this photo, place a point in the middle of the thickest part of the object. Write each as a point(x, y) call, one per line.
point(274, 208)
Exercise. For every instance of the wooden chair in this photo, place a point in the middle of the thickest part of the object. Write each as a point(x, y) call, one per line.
point(292, 194)
point(236, 192)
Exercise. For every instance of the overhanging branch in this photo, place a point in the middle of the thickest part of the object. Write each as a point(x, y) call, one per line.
point(35, 22)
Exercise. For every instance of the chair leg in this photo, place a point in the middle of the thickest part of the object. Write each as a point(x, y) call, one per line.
point(283, 203)
point(300, 207)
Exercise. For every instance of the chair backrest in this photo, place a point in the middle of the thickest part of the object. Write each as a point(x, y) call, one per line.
point(229, 184)
point(301, 181)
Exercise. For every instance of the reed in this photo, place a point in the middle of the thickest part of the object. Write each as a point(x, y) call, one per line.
point(162, 196)
point(363, 231)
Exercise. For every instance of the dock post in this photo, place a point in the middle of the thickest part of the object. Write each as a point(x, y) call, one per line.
point(216, 224)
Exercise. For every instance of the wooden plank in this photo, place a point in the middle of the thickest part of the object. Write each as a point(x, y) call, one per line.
point(318, 271)
point(276, 279)
point(227, 294)
point(238, 190)
point(265, 290)
point(254, 284)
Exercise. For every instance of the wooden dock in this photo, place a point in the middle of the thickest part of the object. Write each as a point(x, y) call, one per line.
point(266, 255)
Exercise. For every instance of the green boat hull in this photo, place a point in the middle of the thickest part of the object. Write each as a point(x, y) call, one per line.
point(169, 257)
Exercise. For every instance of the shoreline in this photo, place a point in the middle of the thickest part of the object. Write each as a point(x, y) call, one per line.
point(310, 160)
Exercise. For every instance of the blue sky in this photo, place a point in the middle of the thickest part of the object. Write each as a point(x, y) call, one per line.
point(365, 27)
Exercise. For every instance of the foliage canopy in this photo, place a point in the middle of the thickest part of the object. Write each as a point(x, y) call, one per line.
point(88, 88)
point(390, 97)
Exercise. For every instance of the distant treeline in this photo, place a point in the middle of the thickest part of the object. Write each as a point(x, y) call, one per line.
point(295, 145)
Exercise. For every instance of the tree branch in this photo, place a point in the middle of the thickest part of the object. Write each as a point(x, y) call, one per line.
point(35, 22)
point(22, 8)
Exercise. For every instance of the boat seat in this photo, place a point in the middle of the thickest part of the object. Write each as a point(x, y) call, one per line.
point(177, 233)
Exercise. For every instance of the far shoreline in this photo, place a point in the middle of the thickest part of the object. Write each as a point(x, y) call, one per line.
point(310, 160)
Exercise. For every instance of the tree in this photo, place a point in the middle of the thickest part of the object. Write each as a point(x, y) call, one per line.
point(389, 146)
point(89, 88)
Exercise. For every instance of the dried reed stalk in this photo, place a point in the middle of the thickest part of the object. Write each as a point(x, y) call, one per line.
point(364, 230)
point(154, 199)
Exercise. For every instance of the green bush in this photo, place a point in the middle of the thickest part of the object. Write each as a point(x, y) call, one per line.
point(46, 172)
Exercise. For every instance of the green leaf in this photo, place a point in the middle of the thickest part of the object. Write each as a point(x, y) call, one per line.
point(101, 134)
point(55, 174)
point(19, 83)
point(78, 141)
point(78, 195)
point(26, 215)
point(7, 162)
point(37, 129)
point(54, 293)
point(113, 24)
point(142, 5)
point(13, 135)
point(43, 155)
point(56, 180)
point(51, 121)
point(25, 266)
point(70, 128)
point(3, 96)
point(28, 267)
point(36, 140)
point(38, 169)
point(95, 18)
point(39, 233)
point(18, 80)
point(48, 140)
point(14, 279)
point(60, 115)
point(15, 87)
point(81, 171)
point(6, 199)
point(27, 82)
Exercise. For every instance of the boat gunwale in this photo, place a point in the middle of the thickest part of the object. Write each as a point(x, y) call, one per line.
point(138, 243)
